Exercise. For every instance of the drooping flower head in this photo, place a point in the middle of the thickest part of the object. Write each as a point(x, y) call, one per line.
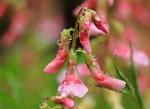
point(61, 57)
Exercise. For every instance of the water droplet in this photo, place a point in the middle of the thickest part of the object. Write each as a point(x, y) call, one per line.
point(70, 38)
point(94, 56)
point(58, 41)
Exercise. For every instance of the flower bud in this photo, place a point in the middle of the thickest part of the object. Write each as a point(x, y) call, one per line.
point(67, 102)
point(100, 77)
point(61, 57)
point(99, 22)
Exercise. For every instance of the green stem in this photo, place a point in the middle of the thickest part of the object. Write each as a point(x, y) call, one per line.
point(75, 32)
point(135, 81)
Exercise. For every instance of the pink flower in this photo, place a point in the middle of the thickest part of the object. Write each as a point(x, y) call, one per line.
point(109, 82)
point(144, 82)
point(100, 77)
point(100, 22)
point(54, 23)
point(139, 57)
point(57, 63)
point(67, 102)
point(87, 3)
point(62, 54)
point(110, 2)
point(83, 70)
point(83, 32)
point(130, 35)
point(72, 86)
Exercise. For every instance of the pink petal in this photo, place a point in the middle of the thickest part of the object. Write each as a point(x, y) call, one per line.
point(140, 58)
point(84, 40)
point(94, 30)
point(57, 63)
point(72, 86)
point(109, 82)
point(68, 102)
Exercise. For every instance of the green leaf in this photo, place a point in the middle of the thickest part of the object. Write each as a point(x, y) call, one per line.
point(135, 81)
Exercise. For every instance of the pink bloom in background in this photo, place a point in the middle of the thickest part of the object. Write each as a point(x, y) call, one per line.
point(87, 3)
point(49, 28)
point(110, 2)
point(141, 13)
point(3, 8)
point(67, 102)
point(139, 57)
point(109, 82)
point(144, 82)
point(57, 63)
point(16, 28)
point(130, 35)
point(82, 69)
point(123, 9)
point(72, 86)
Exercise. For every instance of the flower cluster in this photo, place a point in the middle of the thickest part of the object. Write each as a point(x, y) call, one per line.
point(72, 86)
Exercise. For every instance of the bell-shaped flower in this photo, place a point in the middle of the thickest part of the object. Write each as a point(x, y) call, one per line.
point(61, 57)
point(72, 86)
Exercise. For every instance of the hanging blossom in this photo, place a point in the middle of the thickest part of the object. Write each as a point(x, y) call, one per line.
point(71, 86)
point(102, 79)
point(62, 54)
point(86, 18)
